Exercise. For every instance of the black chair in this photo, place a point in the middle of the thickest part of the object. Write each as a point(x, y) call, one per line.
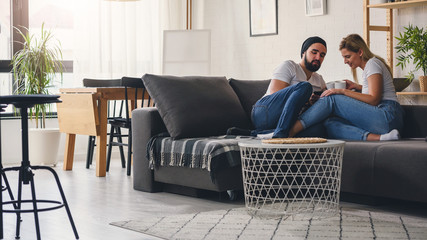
point(115, 109)
point(118, 123)
point(26, 170)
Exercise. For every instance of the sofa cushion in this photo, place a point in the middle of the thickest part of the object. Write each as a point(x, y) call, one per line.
point(249, 91)
point(196, 106)
point(400, 170)
point(358, 166)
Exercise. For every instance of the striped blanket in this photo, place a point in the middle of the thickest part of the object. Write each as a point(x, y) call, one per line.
point(212, 153)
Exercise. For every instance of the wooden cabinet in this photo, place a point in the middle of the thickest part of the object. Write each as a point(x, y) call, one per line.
point(367, 27)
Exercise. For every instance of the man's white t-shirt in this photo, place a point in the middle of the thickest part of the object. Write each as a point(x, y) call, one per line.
point(374, 66)
point(292, 73)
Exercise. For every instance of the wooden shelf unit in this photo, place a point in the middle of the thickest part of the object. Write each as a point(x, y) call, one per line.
point(404, 4)
point(412, 93)
point(367, 27)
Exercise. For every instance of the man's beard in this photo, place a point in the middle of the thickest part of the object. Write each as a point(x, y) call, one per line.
point(310, 66)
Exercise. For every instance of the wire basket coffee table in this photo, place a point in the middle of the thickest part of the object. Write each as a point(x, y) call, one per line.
point(301, 180)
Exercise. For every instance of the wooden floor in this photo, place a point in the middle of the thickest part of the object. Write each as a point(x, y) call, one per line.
point(96, 202)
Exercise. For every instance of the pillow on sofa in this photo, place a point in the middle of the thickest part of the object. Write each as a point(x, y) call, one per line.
point(249, 91)
point(196, 106)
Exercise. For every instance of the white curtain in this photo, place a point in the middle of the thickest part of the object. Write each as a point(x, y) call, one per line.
point(122, 38)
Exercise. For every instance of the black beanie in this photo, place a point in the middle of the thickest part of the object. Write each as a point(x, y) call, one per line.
point(310, 41)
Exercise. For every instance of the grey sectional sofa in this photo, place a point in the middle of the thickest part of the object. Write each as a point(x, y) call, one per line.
point(393, 169)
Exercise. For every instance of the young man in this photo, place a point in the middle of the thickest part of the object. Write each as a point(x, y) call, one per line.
point(292, 86)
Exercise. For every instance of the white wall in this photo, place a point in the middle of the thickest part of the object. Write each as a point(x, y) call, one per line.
point(235, 54)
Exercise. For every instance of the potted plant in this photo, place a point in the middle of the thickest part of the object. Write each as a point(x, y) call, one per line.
point(34, 69)
point(412, 46)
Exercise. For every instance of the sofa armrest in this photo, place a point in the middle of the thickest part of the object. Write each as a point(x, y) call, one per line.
point(146, 122)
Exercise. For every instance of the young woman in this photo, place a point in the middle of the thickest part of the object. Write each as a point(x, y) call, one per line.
point(370, 113)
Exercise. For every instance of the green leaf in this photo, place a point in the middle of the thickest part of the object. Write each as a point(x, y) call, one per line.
point(34, 68)
point(412, 46)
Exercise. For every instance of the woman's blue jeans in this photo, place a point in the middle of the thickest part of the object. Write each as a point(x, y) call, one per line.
point(278, 111)
point(351, 119)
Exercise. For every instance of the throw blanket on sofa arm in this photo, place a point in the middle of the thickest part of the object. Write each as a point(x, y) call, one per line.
point(211, 153)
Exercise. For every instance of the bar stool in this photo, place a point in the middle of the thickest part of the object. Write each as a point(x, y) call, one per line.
point(23, 102)
point(3, 177)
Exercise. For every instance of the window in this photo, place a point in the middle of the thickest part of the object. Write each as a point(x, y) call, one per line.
point(57, 16)
point(6, 48)
point(99, 38)
point(32, 14)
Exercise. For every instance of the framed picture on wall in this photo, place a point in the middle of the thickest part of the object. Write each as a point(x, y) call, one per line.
point(263, 17)
point(315, 7)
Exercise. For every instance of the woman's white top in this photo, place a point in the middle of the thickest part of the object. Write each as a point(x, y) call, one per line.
point(374, 66)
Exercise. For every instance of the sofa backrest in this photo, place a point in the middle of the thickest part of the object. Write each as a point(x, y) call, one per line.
point(415, 121)
point(249, 91)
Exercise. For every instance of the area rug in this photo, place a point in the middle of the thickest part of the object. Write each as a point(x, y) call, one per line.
point(239, 224)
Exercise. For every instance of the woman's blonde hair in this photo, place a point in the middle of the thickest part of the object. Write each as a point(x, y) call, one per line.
point(354, 43)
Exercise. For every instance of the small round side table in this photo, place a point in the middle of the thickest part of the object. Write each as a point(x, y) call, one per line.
point(292, 179)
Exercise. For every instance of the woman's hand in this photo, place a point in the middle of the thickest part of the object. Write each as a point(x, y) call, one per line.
point(352, 85)
point(333, 91)
point(375, 83)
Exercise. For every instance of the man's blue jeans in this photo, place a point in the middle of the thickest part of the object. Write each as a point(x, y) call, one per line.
point(348, 118)
point(278, 111)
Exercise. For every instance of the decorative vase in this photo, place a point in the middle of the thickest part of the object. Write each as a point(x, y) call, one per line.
point(423, 83)
point(43, 144)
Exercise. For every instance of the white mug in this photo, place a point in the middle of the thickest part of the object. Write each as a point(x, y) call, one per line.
point(330, 85)
point(340, 84)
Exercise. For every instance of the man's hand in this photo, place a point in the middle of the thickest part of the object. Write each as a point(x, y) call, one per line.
point(313, 98)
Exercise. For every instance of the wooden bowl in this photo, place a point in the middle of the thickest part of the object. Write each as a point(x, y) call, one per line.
point(400, 84)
